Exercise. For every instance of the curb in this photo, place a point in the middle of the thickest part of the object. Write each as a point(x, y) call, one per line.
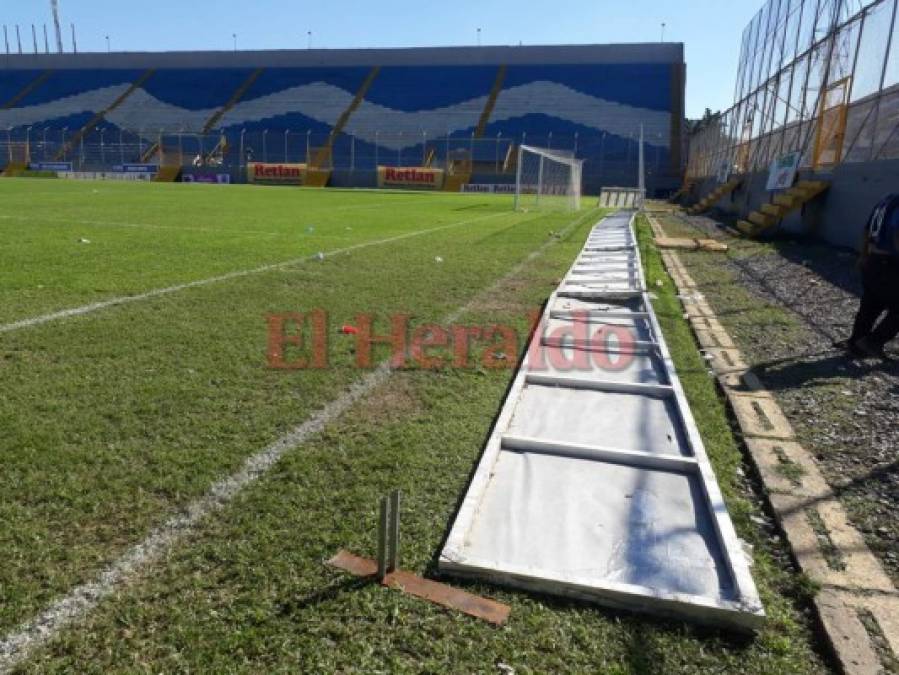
point(825, 546)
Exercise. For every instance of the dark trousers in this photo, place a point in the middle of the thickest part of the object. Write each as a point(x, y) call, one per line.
point(880, 281)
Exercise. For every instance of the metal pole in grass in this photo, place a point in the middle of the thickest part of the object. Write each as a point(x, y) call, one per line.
point(383, 522)
point(393, 560)
point(389, 535)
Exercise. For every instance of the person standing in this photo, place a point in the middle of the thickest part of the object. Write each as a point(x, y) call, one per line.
point(880, 283)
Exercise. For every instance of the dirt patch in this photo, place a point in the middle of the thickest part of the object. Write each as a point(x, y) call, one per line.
point(509, 298)
point(392, 403)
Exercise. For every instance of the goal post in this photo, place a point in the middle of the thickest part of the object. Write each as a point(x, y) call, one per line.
point(547, 179)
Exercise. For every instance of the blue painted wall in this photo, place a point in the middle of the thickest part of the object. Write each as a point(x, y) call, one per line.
point(421, 102)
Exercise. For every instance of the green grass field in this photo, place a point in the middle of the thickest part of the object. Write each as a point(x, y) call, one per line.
point(114, 420)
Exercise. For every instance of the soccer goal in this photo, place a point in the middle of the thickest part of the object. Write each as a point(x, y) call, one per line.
point(547, 179)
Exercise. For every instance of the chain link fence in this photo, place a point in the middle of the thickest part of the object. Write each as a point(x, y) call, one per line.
point(820, 77)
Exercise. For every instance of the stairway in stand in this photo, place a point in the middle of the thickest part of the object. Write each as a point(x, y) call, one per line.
point(783, 203)
point(712, 198)
point(683, 191)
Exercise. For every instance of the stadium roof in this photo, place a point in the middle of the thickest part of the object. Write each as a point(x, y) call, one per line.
point(667, 52)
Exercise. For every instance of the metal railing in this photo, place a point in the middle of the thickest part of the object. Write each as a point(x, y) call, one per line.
point(608, 161)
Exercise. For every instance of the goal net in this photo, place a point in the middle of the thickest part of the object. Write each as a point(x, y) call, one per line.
point(547, 179)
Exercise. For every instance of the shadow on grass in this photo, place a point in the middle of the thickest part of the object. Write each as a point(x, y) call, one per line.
point(330, 592)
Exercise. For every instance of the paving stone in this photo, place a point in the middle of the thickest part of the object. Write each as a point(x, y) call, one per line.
point(847, 635)
point(759, 415)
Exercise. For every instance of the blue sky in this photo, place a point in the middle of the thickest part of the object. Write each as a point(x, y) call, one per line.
point(711, 29)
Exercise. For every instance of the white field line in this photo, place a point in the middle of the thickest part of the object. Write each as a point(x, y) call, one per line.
point(18, 645)
point(214, 230)
point(109, 223)
point(155, 293)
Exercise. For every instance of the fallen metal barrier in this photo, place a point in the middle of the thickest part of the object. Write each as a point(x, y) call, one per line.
point(595, 483)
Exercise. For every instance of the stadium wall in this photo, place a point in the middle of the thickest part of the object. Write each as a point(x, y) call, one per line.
point(366, 107)
point(839, 217)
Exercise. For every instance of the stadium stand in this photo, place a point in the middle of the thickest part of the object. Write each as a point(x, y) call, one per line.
point(349, 111)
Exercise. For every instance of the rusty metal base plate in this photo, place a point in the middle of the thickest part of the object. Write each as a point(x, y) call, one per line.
point(432, 591)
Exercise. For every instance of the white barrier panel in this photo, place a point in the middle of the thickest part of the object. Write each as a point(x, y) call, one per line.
point(595, 483)
point(621, 198)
